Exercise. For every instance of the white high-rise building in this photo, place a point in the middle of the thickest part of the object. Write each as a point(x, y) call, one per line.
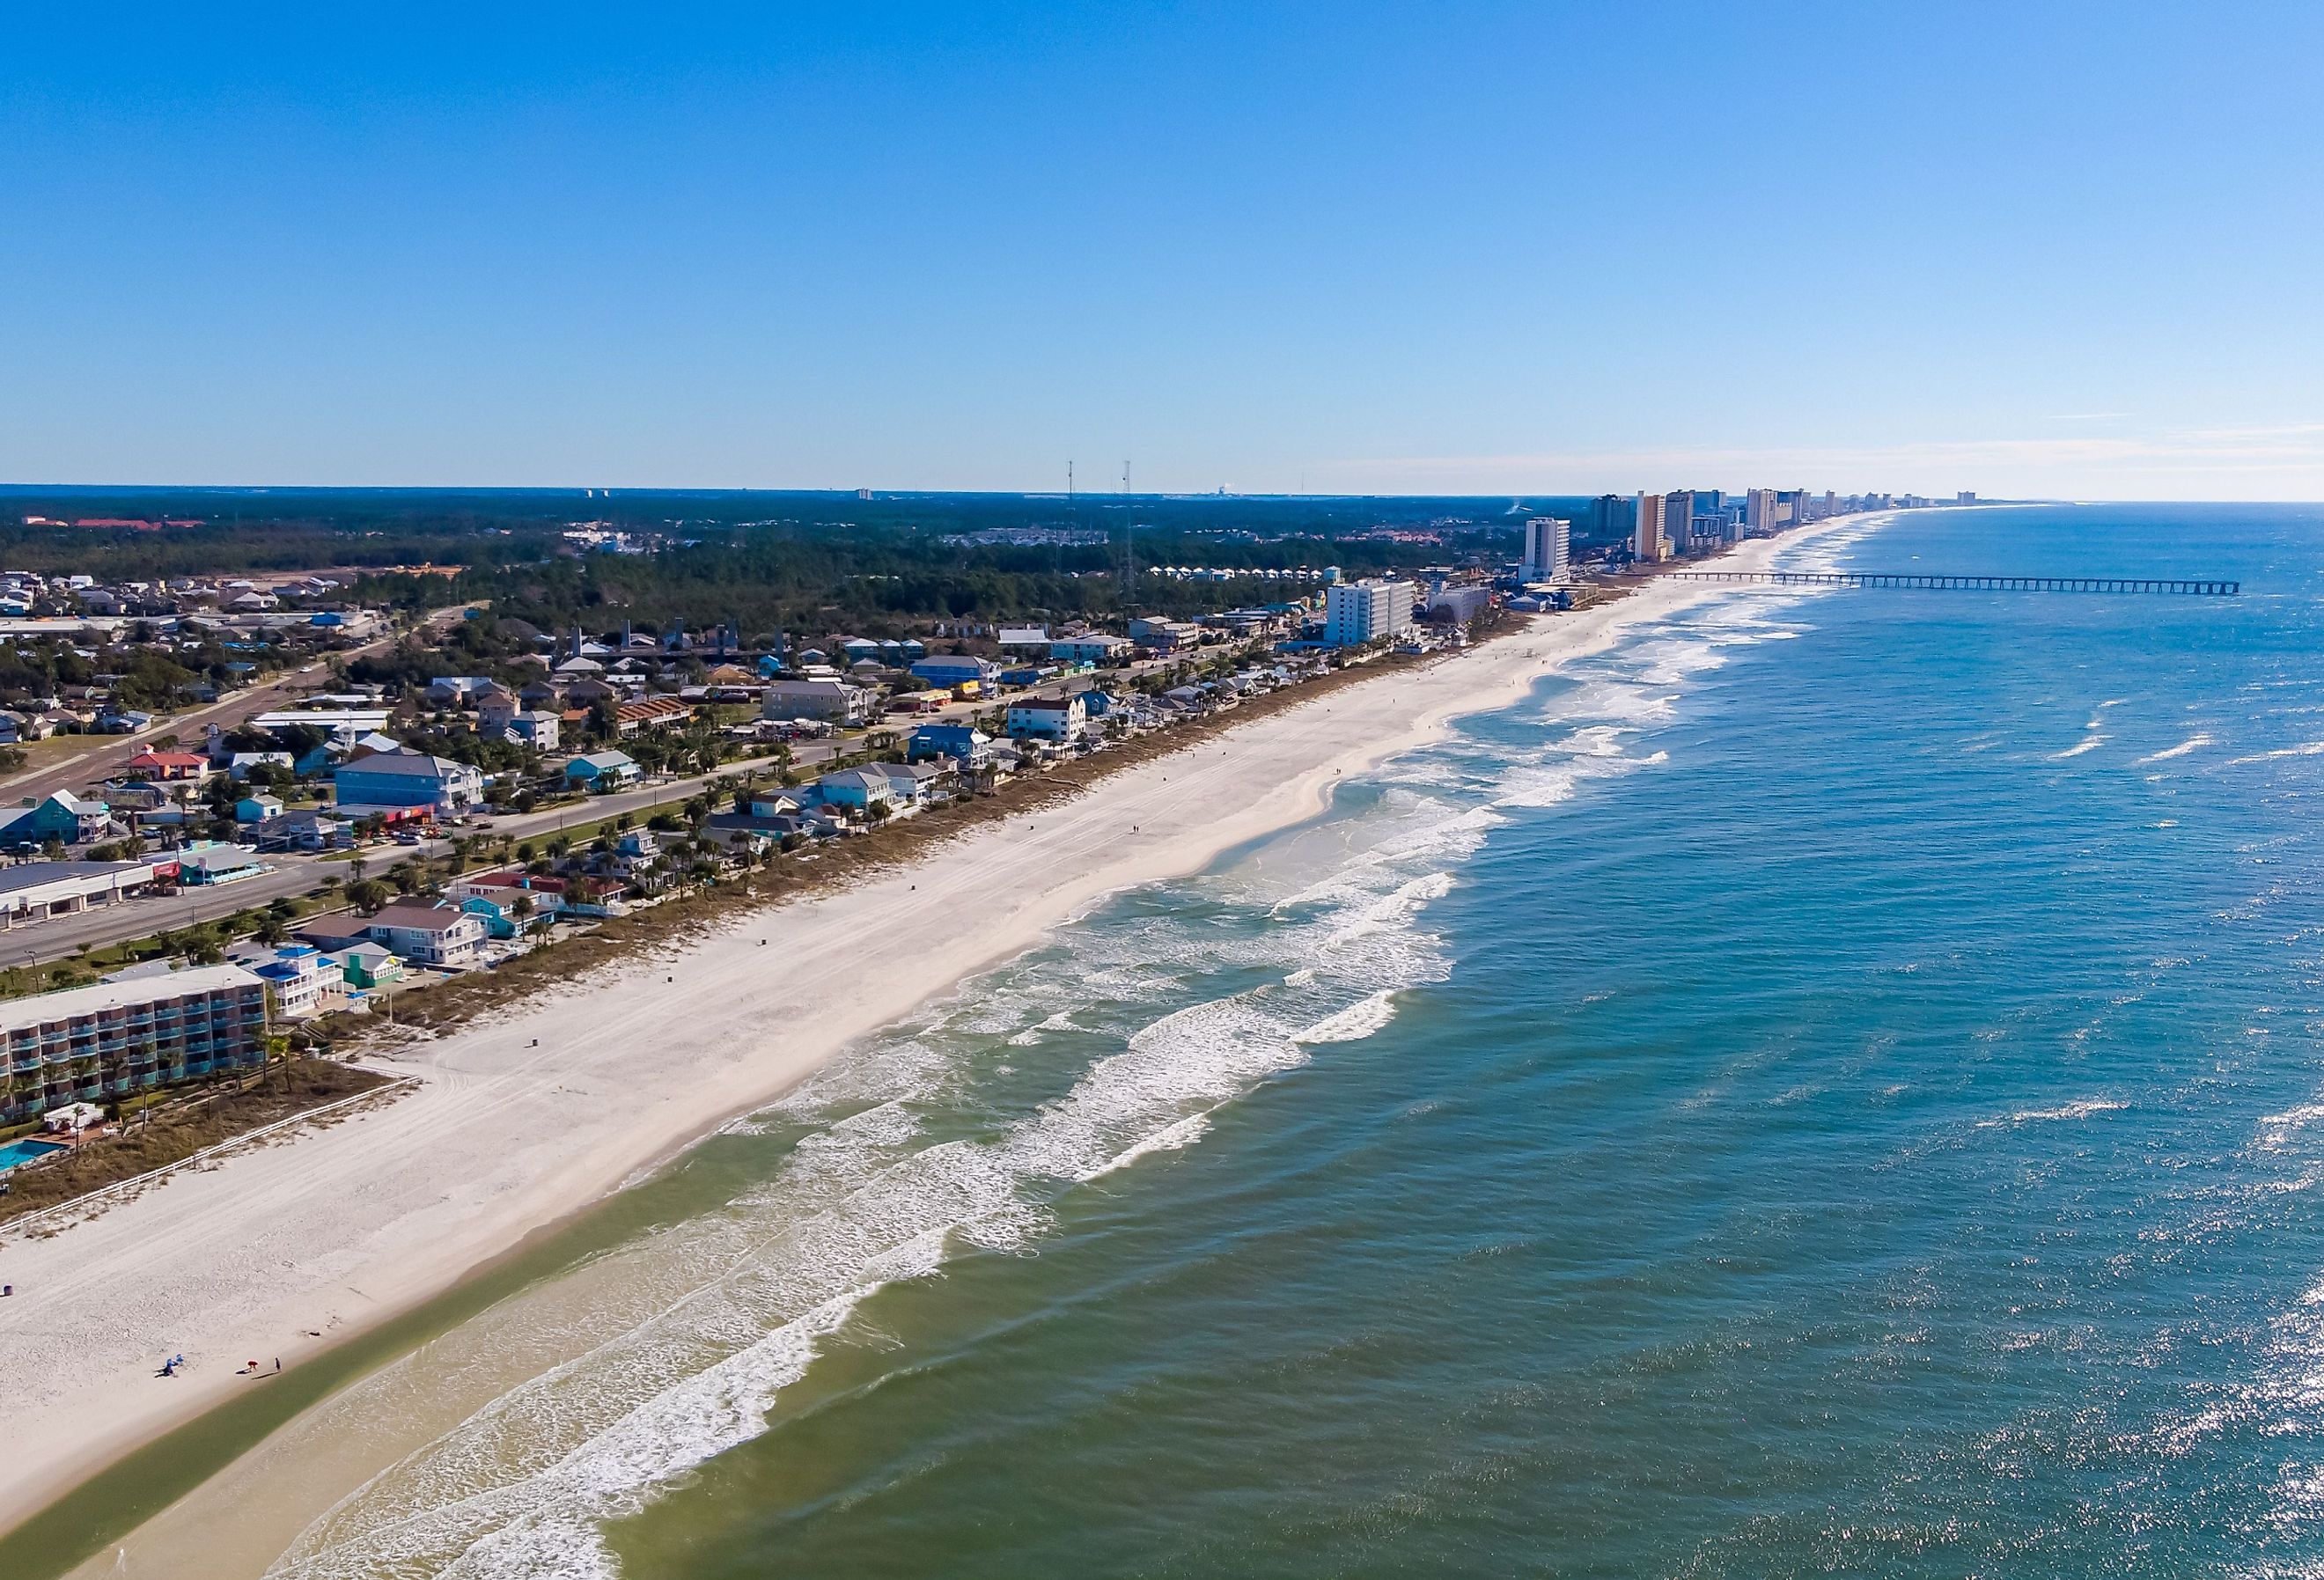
point(1358, 612)
point(1548, 551)
point(1761, 516)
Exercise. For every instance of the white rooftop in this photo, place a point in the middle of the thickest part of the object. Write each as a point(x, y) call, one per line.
point(21, 1015)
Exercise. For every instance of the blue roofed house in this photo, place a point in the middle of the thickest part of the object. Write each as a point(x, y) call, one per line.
point(297, 976)
point(408, 778)
point(954, 669)
point(604, 770)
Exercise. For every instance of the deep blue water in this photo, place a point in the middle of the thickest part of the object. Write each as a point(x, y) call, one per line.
point(1832, 1085)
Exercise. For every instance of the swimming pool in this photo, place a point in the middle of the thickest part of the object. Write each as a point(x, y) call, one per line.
point(19, 1152)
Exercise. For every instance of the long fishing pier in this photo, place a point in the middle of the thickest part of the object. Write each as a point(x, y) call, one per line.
point(1966, 583)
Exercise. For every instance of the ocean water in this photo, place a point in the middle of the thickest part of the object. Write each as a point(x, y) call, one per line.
point(1830, 1086)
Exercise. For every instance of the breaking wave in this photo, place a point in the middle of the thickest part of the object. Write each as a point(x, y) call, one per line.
point(971, 1126)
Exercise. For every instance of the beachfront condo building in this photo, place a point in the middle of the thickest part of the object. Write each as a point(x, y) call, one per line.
point(1678, 521)
point(1549, 549)
point(92, 1044)
point(1648, 543)
point(1762, 513)
point(1360, 612)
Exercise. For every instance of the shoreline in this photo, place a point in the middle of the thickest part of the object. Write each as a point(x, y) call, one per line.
point(504, 1142)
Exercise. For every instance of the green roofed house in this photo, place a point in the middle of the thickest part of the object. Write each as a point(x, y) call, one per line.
point(369, 965)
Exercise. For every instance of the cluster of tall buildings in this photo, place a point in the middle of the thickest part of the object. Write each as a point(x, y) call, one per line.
point(1663, 526)
point(1656, 527)
point(1687, 520)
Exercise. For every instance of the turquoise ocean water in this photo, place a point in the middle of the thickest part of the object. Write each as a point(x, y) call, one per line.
point(1832, 1085)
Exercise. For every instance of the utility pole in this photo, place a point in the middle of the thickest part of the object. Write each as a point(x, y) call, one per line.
point(1128, 542)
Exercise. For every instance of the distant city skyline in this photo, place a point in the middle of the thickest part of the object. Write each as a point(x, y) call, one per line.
point(2055, 251)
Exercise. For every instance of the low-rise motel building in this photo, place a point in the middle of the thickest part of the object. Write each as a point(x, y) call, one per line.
point(35, 890)
point(139, 1031)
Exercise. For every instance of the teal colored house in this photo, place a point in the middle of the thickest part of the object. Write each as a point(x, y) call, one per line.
point(63, 816)
point(499, 912)
point(604, 770)
point(370, 965)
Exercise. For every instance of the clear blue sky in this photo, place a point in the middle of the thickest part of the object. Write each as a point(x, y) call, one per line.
point(2017, 247)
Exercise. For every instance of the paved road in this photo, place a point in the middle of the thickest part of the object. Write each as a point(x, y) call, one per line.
point(104, 753)
point(294, 874)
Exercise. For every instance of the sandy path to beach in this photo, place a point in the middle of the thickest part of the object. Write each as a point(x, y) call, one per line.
point(343, 1228)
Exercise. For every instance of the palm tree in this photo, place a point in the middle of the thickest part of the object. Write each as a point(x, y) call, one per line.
point(145, 1054)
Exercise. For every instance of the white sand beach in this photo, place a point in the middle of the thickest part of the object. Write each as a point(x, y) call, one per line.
point(344, 1227)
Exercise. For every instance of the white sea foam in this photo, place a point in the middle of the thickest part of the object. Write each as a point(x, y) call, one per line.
point(2278, 1130)
point(2090, 743)
point(743, 1299)
point(1063, 1020)
point(2305, 749)
point(523, 1485)
point(1168, 1139)
point(1354, 1023)
point(2080, 1108)
point(2194, 742)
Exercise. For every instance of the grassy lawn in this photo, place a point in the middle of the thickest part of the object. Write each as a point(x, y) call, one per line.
point(57, 749)
point(17, 981)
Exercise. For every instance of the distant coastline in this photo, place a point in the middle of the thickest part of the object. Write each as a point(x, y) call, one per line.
point(342, 1232)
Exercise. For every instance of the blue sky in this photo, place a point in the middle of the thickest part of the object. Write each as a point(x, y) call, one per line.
point(2021, 248)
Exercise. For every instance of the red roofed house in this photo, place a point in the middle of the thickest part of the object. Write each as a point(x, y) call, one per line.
point(650, 713)
point(168, 767)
